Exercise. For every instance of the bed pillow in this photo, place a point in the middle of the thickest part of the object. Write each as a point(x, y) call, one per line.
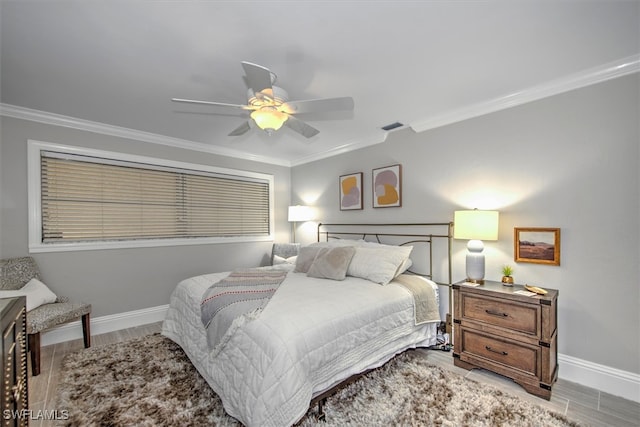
point(379, 263)
point(37, 293)
point(305, 258)
point(332, 263)
point(405, 265)
point(335, 243)
point(308, 253)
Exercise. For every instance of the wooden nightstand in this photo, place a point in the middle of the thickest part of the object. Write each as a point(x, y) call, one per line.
point(510, 334)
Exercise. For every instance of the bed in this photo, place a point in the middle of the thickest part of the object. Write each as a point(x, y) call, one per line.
point(314, 333)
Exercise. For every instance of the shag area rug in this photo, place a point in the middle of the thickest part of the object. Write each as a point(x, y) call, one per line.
point(149, 381)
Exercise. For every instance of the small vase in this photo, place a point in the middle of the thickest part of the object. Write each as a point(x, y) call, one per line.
point(507, 280)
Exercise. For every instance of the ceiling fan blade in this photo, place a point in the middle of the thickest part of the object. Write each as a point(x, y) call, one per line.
point(219, 104)
point(301, 127)
point(318, 105)
point(259, 78)
point(242, 129)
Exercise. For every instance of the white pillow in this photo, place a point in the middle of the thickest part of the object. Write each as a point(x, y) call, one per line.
point(404, 267)
point(36, 292)
point(378, 263)
point(277, 259)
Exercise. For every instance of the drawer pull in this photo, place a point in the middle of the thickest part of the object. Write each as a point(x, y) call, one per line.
point(504, 353)
point(496, 313)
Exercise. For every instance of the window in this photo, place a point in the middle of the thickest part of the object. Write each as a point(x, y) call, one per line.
point(89, 199)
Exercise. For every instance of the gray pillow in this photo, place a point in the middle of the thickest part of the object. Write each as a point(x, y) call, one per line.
point(305, 258)
point(332, 263)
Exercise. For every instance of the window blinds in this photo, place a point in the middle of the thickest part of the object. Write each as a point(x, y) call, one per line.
point(89, 199)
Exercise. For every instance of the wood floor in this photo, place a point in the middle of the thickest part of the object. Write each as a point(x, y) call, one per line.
point(583, 404)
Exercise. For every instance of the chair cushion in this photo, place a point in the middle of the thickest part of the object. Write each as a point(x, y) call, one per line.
point(49, 315)
point(16, 272)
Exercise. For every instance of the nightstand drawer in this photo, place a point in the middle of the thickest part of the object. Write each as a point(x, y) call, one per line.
point(504, 314)
point(508, 353)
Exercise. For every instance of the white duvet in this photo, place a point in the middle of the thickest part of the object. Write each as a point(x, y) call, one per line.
point(313, 334)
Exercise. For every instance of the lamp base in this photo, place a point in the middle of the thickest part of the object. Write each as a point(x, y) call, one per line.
point(475, 262)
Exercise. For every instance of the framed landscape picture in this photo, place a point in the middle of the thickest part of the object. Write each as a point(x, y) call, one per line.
point(387, 186)
point(351, 192)
point(537, 245)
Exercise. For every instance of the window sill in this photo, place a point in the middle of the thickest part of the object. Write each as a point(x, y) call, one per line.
point(128, 244)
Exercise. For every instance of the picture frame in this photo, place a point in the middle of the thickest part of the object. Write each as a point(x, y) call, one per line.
point(350, 190)
point(536, 245)
point(386, 183)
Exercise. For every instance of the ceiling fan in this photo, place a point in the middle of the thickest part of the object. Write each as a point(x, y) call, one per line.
point(270, 106)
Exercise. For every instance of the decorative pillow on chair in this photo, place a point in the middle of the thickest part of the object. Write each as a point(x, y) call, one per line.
point(277, 260)
point(332, 263)
point(37, 293)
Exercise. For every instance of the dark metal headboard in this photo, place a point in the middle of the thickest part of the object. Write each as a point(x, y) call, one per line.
point(416, 233)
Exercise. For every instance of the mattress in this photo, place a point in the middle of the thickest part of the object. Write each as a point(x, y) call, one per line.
point(312, 335)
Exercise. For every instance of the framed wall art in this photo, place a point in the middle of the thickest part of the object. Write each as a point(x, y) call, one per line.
point(537, 245)
point(351, 192)
point(387, 186)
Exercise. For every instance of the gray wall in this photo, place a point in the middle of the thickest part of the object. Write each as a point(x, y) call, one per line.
point(121, 280)
point(569, 161)
point(1, 191)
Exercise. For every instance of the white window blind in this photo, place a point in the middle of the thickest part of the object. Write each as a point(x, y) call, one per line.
point(91, 199)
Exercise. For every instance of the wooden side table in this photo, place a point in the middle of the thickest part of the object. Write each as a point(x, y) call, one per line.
point(514, 335)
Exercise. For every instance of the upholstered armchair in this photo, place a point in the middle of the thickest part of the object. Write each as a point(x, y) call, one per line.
point(284, 251)
point(14, 274)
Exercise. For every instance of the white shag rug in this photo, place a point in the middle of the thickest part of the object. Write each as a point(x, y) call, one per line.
point(149, 381)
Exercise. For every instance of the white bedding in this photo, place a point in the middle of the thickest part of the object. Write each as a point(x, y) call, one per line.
point(313, 334)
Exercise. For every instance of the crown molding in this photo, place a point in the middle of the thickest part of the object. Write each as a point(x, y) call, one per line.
point(137, 135)
point(602, 73)
point(612, 70)
point(355, 144)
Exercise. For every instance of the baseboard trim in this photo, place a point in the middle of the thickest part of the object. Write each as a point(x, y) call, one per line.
point(104, 324)
point(604, 378)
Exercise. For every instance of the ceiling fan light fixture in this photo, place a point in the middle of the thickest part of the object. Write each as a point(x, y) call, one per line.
point(270, 107)
point(269, 119)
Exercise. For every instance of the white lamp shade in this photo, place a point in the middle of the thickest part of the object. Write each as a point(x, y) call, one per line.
point(300, 213)
point(269, 119)
point(475, 225)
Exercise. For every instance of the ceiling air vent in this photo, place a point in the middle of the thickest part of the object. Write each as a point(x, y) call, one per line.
point(392, 126)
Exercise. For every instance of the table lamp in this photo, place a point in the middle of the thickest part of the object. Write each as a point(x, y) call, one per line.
point(475, 226)
point(299, 214)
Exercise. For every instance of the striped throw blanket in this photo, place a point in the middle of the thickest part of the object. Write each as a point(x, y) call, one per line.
point(236, 299)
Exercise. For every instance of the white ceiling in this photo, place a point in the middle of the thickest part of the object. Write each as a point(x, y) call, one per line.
point(422, 63)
